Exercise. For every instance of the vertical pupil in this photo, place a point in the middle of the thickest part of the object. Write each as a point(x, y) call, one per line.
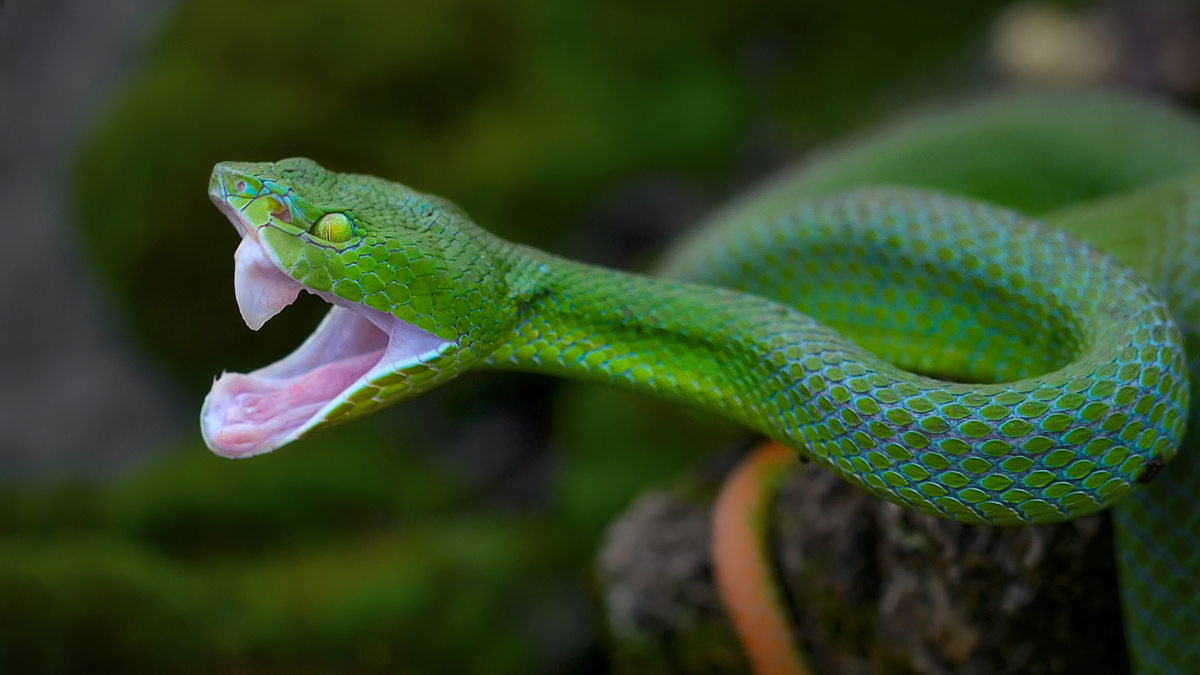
point(333, 227)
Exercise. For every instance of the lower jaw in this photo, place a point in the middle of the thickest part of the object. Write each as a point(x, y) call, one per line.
point(254, 413)
point(246, 414)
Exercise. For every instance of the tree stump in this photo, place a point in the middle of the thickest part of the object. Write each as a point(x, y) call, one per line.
point(872, 587)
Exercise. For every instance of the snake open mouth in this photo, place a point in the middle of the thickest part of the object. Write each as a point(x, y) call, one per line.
point(247, 414)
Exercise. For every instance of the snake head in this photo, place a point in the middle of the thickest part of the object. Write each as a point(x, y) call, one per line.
point(414, 289)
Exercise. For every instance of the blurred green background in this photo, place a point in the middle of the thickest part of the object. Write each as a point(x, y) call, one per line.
point(456, 533)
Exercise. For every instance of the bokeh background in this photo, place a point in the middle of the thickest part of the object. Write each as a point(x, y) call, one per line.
point(456, 533)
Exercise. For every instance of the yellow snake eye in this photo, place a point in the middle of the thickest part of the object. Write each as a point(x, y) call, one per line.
point(334, 228)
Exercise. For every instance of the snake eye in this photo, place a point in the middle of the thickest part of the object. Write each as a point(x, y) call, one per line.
point(334, 228)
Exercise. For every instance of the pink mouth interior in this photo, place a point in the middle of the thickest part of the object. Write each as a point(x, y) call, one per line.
point(252, 413)
point(246, 414)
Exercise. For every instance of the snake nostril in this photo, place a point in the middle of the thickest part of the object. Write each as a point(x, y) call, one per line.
point(231, 180)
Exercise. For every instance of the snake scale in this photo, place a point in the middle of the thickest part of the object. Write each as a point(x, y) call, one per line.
point(911, 331)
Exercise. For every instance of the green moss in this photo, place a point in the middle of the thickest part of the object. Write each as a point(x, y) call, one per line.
point(339, 552)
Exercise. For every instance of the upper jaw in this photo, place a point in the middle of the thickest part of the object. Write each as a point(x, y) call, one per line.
point(260, 285)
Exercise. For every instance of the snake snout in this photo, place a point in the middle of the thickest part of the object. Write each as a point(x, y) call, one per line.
point(234, 179)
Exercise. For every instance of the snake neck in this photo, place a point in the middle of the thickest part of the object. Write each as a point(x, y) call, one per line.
point(711, 348)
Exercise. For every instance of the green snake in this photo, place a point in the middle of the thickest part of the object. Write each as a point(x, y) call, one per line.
point(950, 355)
